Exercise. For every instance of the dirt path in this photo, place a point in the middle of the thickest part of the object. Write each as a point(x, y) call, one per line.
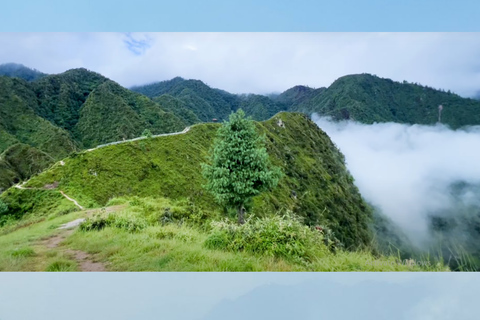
point(86, 262)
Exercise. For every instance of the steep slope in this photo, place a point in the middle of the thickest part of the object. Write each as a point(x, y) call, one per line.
point(19, 123)
point(297, 95)
point(315, 185)
point(20, 71)
point(61, 96)
point(113, 113)
point(260, 107)
point(19, 162)
point(209, 103)
point(177, 107)
point(367, 99)
point(205, 102)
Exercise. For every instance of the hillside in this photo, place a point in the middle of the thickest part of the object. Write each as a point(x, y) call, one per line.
point(208, 103)
point(20, 71)
point(58, 114)
point(19, 162)
point(20, 123)
point(367, 99)
point(315, 186)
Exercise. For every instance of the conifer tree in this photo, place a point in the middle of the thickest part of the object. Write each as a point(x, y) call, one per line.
point(239, 166)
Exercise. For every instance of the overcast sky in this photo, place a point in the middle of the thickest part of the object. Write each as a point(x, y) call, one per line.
point(190, 296)
point(255, 62)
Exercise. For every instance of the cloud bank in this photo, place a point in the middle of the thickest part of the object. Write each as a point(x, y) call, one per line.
point(407, 171)
point(255, 62)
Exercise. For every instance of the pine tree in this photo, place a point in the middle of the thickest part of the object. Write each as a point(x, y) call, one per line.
point(239, 166)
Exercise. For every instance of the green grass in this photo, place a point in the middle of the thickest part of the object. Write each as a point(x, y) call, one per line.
point(21, 247)
point(315, 185)
point(179, 243)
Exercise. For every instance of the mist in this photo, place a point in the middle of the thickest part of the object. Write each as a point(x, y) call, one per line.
point(412, 173)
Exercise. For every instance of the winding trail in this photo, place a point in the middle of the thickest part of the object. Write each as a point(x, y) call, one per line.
point(73, 200)
point(20, 186)
point(139, 138)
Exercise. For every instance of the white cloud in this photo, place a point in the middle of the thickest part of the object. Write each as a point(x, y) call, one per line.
point(255, 62)
point(406, 170)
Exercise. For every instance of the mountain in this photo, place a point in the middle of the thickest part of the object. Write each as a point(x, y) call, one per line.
point(61, 96)
point(112, 113)
point(21, 161)
point(20, 71)
point(58, 114)
point(209, 103)
point(366, 98)
point(316, 184)
point(20, 124)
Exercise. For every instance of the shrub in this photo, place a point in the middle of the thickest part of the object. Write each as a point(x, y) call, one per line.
point(3, 207)
point(277, 236)
point(124, 220)
point(22, 252)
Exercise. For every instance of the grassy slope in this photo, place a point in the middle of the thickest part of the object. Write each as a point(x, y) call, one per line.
point(170, 247)
point(315, 186)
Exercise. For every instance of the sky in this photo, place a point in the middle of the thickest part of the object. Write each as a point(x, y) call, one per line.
point(146, 296)
point(407, 170)
point(239, 15)
point(255, 62)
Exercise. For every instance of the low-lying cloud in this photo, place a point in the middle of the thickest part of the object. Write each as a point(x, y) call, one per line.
point(408, 171)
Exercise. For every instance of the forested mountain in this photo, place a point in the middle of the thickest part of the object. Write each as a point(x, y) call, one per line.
point(20, 71)
point(209, 103)
point(367, 99)
point(58, 114)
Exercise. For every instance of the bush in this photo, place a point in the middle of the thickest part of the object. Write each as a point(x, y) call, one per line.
point(124, 220)
point(278, 236)
point(3, 207)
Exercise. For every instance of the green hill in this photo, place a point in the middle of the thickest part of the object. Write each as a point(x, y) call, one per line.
point(19, 123)
point(368, 99)
point(21, 161)
point(315, 186)
point(113, 113)
point(61, 96)
point(209, 103)
point(20, 71)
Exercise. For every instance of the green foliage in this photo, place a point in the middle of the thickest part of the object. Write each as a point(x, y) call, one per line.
point(19, 123)
point(113, 113)
point(3, 207)
point(240, 166)
point(147, 133)
point(277, 236)
point(368, 99)
point(20, 162)
point(22, 203)
point(122, 220)
point(61, 265)
point(22, 252)
point(315, 186)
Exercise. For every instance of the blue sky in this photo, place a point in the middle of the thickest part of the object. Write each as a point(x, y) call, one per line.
point(193, 296)
point(239, 15)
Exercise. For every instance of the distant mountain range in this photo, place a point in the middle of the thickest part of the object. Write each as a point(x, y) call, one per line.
point(78, 109)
